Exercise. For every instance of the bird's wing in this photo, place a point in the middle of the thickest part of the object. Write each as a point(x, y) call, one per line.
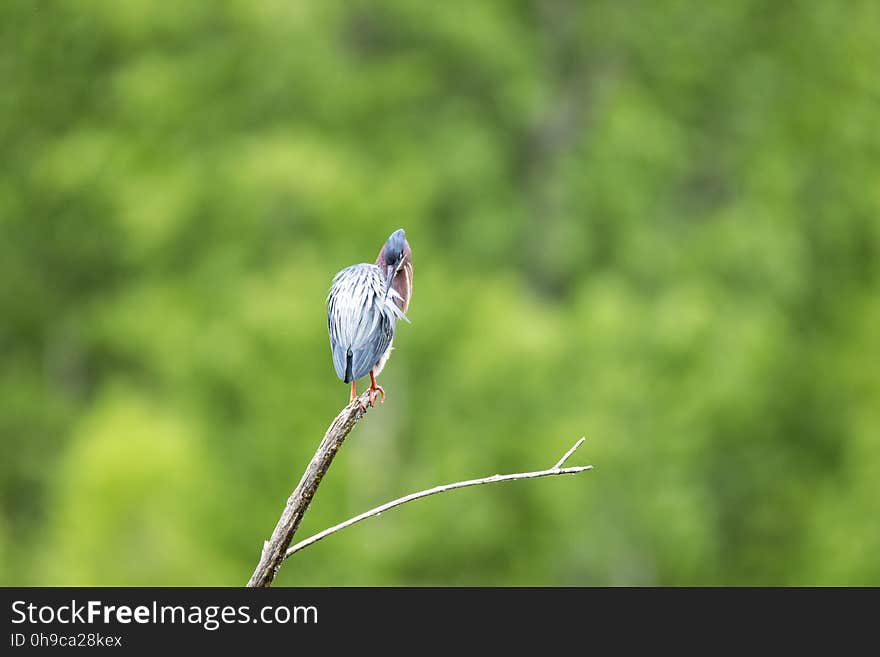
point(360, 318)
point(366, 354)
point(336, 348)
point(335, 325)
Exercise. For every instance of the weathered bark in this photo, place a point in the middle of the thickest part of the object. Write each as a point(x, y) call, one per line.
point(275, 548)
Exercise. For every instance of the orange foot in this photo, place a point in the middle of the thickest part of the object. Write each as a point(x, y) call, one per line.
point(375, 390)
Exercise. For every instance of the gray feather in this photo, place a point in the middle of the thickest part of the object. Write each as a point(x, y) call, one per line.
point(360, 318)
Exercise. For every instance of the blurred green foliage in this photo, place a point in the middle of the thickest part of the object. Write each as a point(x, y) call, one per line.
point(653, 223)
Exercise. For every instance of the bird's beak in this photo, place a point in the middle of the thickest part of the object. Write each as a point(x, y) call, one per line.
point(390, 271)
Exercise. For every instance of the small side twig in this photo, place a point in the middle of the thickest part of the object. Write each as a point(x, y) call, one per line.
point(566, 456)
point(555, 470)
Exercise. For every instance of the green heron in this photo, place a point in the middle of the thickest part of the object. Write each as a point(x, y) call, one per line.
point(363, 306)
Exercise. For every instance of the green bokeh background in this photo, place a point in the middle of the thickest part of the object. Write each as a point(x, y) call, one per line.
point(651, 223)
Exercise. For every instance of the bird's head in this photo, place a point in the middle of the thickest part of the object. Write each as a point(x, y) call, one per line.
point(393, 256)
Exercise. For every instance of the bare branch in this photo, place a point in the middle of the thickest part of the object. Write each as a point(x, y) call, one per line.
point(555, 470)
point(298, 502)
point(277, 549)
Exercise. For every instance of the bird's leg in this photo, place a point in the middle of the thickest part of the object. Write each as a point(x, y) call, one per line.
point(375, 389)
point(354, 395)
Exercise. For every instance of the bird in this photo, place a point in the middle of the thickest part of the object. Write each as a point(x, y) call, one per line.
point(364, 303)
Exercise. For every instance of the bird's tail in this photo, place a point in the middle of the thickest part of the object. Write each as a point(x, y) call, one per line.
point(348, 376)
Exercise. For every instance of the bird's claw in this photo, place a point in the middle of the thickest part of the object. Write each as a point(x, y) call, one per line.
point(375, 392)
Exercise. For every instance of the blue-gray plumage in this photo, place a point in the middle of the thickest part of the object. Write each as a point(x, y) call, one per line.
point(363, 306)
